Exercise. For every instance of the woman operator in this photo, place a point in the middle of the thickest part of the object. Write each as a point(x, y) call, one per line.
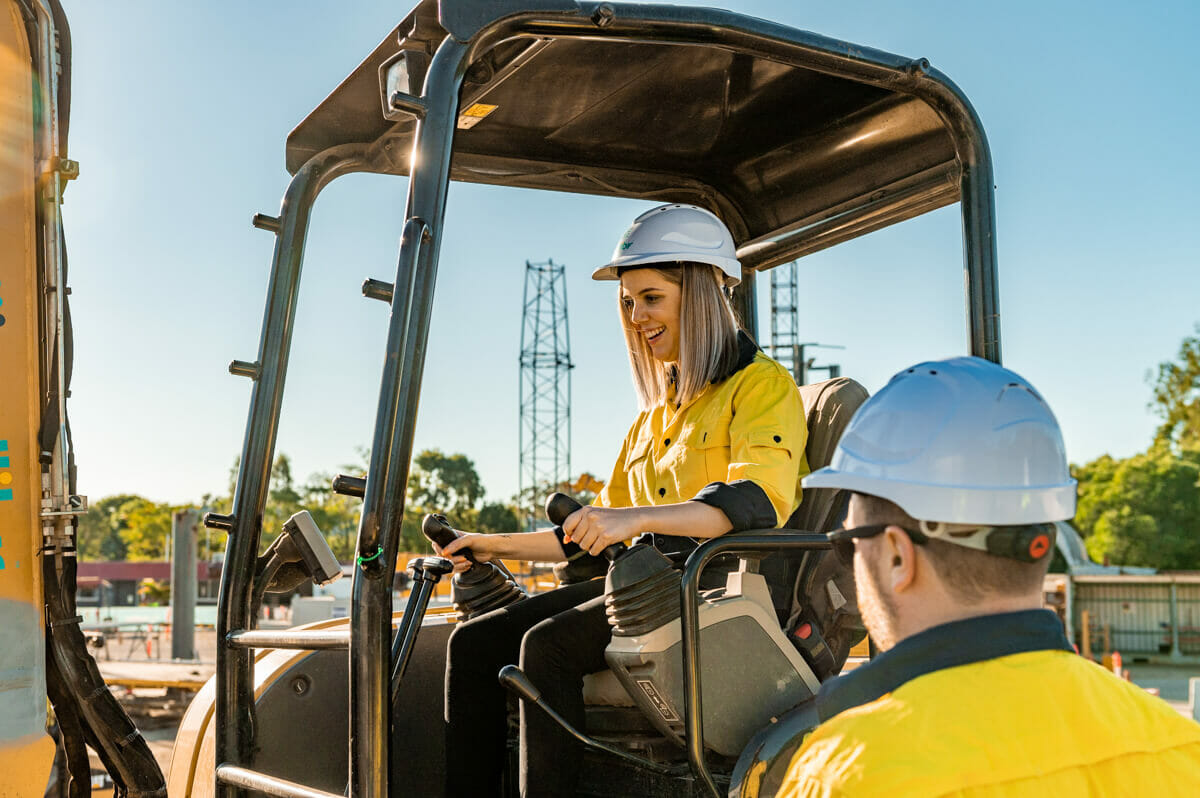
point(718, 446)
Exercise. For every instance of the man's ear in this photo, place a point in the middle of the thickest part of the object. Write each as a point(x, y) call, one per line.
point(901, 558)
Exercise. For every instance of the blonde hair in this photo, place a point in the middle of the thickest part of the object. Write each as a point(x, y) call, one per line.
point(708, 346)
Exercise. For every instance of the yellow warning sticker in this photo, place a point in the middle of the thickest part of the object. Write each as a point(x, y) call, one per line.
point(473, 115)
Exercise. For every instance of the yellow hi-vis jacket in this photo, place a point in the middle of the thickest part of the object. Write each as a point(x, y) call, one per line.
point(993, 706)
point(739, 446)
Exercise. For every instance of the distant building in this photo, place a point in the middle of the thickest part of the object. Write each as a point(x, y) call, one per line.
point(115, 583)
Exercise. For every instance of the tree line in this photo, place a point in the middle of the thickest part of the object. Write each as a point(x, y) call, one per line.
point(1145, 509)
point(131, 527)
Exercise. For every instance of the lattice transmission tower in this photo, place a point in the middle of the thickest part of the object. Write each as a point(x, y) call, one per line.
point(545, 425)
point(785, 319)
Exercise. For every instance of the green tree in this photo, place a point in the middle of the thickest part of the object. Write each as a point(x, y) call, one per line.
point(497, 518)
point(447, 484)
point(146, 526)
point(283, 499)
point(530, 503)
point(98, 536)
point(1177, 396)
point(1143, 510)
point(336, 515)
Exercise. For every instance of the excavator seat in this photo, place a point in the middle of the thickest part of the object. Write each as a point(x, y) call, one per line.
point(814, 585)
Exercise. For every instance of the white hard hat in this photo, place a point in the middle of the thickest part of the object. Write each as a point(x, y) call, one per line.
point(958, 441)
point(672, 233)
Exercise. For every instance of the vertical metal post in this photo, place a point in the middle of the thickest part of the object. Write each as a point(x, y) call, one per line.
point(383, 501)
point(234, 713)
point(978, 205)
point(979, 253)
point(1174, 593)
point(183, 584)
point(1069, 607)
point(745, 303)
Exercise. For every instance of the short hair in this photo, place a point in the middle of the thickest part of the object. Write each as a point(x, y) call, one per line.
point(708, 347)
point(970, 575)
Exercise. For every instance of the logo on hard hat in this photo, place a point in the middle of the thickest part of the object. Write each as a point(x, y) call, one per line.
point(1039, 546)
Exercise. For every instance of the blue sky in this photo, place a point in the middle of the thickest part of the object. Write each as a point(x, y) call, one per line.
point(179, 119)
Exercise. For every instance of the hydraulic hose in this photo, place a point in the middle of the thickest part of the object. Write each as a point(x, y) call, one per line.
point(84, 700)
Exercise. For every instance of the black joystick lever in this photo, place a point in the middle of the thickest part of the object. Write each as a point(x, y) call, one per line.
point(484, 586)
point(436, 528)
point(560, 505)
point(642, 585)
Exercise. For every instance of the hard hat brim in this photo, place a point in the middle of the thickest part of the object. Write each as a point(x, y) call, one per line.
point(969, 505)
point(730, 267)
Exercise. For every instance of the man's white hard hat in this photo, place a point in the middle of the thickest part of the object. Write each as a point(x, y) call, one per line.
point(958, 441)
point(672, 233)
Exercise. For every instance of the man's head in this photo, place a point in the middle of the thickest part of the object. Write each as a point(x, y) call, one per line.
point(933, 580)
point(957, 470)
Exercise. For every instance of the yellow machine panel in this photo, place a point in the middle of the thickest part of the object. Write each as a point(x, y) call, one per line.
point(25, 749)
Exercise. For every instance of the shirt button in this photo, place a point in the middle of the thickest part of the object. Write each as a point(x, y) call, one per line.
point(778, 439)
point(667, 442)
point(662, 491)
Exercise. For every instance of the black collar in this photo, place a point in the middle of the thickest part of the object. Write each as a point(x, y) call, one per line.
point(747, 349)
point(946, 646)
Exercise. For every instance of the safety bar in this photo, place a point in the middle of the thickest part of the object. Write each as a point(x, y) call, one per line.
point(234, 713)
point(689, 599)
point(245, 778)
point(395, 424)
point(318, 640)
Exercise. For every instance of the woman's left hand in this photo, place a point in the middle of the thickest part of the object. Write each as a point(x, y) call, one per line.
point(594, 529)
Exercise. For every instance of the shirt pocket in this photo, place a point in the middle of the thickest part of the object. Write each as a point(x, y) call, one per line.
point(771, 439)
point(708, 452)
point(637, 461)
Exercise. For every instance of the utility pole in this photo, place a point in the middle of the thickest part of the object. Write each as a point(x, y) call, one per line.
point(183, 584)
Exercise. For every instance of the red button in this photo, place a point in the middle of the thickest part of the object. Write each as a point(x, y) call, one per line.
point(803, 631)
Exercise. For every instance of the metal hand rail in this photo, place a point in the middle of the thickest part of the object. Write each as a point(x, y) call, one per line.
point(234, 710)
point(689, 598)
point(317, 640)
point(246, 779)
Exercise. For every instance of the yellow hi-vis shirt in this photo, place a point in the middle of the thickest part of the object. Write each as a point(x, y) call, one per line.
point(750, 426)
point(1040, 722)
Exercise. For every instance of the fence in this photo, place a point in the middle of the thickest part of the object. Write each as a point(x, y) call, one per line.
point(1157, 616)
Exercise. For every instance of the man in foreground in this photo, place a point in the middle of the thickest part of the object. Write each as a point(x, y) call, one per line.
point(958, 470)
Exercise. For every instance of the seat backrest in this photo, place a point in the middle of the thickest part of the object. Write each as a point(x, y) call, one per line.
point(828, 407)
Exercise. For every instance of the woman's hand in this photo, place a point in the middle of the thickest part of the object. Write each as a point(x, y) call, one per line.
point(594, 529)
point(483, 547)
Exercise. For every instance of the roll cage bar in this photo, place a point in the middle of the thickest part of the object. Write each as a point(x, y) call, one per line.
point(797, 141)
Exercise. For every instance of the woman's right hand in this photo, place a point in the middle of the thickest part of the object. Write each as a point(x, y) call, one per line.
point(482, 547)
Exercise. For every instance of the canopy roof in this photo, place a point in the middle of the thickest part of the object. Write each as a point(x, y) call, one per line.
point(796, 141)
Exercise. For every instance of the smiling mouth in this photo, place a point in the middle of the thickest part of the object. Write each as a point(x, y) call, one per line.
point(654, 335)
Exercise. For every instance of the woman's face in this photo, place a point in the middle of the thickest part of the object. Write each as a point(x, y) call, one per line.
point(651, 302)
